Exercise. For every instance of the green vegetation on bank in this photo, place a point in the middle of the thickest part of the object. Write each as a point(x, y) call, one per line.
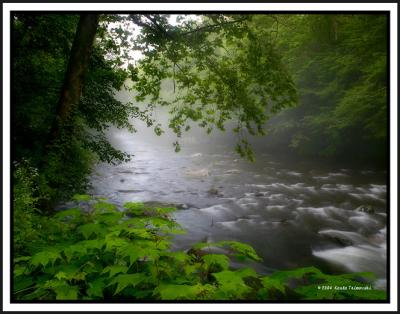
point(96, 252)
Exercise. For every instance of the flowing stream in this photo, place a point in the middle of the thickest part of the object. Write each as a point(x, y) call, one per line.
point(293, 213)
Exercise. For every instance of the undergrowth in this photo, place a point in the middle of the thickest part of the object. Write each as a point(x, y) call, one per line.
point(98, 252)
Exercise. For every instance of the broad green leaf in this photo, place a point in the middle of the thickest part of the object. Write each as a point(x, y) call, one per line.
point(75, 249)
point(135, 252)
point(159, 222)
point(139, 233)
point(115, 269)
point(115, 242)
point(126, 280)
point(135, 208)
point(270, 283)
point(132, 251)
point(45, 257)
point(164, 210)
point(19, 270)
point(92, 228)
point(180, 257)
point(109, 218)
point(231, 285)
point(216, 260)
point(192, 269)
point(104, 207)
point(246, 272)
point(22, 259)
point(96, 288)
point(63, 290)
point(22, 282)
point(92, 244)
point(70, 272)
point(177, 292)
point(81, 197)
point(242, 249)
point(67, 292)
point(81, 248)
point(132, 223)
point(296, 273)
point(72, 212)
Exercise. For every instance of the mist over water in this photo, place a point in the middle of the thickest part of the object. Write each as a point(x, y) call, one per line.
point(294, 213)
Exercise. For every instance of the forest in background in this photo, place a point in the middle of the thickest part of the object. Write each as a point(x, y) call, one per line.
point(315, 83)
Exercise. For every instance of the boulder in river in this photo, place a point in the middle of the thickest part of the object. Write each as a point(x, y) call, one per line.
point(214, 191)
point(365, 209)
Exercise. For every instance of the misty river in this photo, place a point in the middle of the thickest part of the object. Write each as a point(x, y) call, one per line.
point(294, 213)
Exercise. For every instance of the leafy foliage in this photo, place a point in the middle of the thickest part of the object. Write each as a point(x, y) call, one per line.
point(339, 64)
point(221, 69)
point(130, 259)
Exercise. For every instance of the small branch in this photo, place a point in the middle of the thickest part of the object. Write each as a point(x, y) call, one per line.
point(211, 27)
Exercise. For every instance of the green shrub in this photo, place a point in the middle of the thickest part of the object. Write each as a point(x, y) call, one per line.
point(107, 254)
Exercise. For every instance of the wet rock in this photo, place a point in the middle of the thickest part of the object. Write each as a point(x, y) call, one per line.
point(365, 209)
point(215, 192)
point(182, 206)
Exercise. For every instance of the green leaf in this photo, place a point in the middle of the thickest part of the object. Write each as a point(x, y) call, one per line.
point(139, 233)
point(162, 223)
point(246, 272)
point(243, 250)
point(177, 292)
point(180, 257)
point(45, 257)
point(112, 243)
point(132, 251)
point(219, 260)
point(92, 228)
point(104, 206)
point(164, 210)
point(73, 213)
point(135, 208)
point(92, 244)
point(296, 273)
point(19, 270)
point(126, 280)
point(73, 249)
point(137, 252)
point(115, 269)
point(270, 284)
point(70, 272)
point(231, 285)
point(62, 289)
point(96, 288)
point(22, 259)
point(109, 218)
point(67, 292)
point(22, 282)
point(81, 197)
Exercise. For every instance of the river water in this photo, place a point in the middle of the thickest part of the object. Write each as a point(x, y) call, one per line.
point(294, 213)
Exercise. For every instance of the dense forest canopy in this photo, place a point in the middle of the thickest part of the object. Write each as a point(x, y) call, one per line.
point(312, 85)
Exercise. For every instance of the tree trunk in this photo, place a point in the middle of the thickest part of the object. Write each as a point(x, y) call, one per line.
point(77, 64)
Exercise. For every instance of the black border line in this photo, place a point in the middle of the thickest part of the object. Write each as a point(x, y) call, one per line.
point(358, 12)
